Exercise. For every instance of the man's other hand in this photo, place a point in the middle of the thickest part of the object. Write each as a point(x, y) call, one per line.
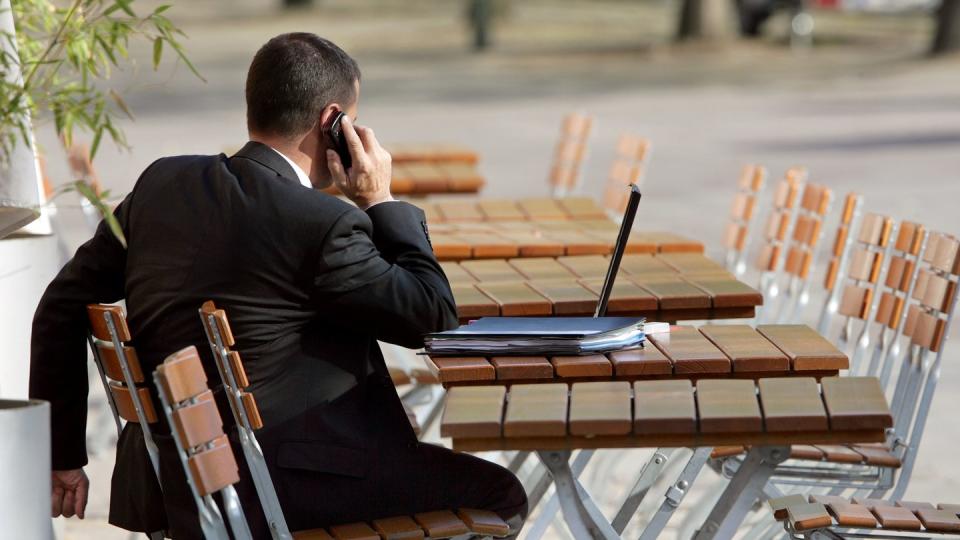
point(368, 181)
point(69, 495)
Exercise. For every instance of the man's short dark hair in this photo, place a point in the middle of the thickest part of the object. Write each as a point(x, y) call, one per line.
point(292, 78)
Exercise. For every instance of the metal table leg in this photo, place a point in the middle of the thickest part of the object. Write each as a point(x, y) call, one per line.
point(552, 506)
point(582, 516)
point(676, 493)
point(648, 475)
point(743, 490)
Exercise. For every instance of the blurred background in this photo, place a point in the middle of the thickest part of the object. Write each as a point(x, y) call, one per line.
point(865, 94)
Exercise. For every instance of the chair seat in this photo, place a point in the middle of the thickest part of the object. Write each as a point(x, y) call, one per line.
point(433, 525)
point(827, 511)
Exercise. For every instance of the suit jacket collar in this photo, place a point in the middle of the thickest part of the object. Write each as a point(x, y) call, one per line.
point(268, 157)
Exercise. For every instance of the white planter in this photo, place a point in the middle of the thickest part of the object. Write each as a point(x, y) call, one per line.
point(25, 470)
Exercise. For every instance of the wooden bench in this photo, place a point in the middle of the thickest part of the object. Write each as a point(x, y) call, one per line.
point(803, 515)
point(708, 352)
point(210, 467)
point(671, 413)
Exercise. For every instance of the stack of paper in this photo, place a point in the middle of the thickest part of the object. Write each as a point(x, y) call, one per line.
point(541, 336)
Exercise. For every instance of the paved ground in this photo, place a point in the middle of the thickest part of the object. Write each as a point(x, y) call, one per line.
point(863, 111)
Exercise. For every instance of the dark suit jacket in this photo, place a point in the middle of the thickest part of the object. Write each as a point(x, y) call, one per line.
point(309, 284)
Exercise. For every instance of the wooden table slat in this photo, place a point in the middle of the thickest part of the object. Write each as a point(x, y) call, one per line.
point(690, 351)
point(536, 410)
point(646, 360)
point(567, 296)
point(792, 404)
point(472, 304)
point(473, 411)
point(664, 407)
point(673, 292)
point(456, 369)
point(747, 349)
point(590, 365)
point(541, 268)
point(727, 292)
point(517, 299)
point(726, 405)
point(806, 349)
point(522, 367)
point(600, 408)
point(855, 403)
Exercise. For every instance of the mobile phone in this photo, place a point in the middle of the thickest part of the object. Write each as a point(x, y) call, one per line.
point(339, 141)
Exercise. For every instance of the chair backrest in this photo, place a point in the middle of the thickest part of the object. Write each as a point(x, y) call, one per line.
point(118, 364)
point(780, 221)
point(203, 447)
point(570, 152)
point(930, 312)
point(841, 244)
point(737, 233)
point(628, 167)
point(807, 230)
point(866, 263)
point(230, 366)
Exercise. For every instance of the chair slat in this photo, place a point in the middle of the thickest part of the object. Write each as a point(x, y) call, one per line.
point(664, 407)
point(856, 301)
point(184, 375)
point(877, 455)
point(836, 453)
point(938, 520)
point(98, 324)
point(354, 531)
point(600, 408)
point(215, 468)
point(484, 522)
point(690, 351)
point(747, 349)
point(473, 411)
point(200, 422)
point(728, 406)
point(792, 404)
point(855, 403)
point(124, 401)
point(647, 360)
point(780, 504)
point(806, 349)
point(253, 412)
point(804, 517)
point(441, 524)
point(111, 362)
point(239, 373)
point(848, 514)
point(895, 517)
point(536, 410)
point(398, 528)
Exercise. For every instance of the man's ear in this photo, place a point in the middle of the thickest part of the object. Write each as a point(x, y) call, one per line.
point(328, 114)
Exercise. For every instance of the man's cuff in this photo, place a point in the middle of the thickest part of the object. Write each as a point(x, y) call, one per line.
point(399, 226)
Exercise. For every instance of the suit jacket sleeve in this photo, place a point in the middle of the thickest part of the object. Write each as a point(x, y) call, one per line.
point(58, 349)
point(377, 272)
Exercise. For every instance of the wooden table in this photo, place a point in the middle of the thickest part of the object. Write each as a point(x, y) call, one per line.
point(769, 415)
point(665, 287)
point(712, 351)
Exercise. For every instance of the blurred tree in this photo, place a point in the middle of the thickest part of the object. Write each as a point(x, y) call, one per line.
point(297, 3)
point(947, 36)
point(66, 52)
point(706, 19)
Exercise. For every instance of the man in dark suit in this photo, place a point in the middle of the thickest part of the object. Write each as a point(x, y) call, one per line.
point(309, 283)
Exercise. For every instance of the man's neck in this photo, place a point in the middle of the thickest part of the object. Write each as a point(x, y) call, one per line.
point(287, 148)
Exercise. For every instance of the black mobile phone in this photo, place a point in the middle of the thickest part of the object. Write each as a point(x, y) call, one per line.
point(339, 141)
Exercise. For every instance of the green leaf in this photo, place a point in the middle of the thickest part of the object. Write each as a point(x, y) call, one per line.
point(157, 51)
point(125, 6)
point(161, 9)
point(99, 203)
point(96, 142)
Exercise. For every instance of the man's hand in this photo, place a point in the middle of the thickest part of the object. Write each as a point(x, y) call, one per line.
point(69, 495)
point(368, 181)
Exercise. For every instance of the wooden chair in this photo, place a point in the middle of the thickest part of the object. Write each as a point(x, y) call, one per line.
point(629, 166)
point(570, 151)
point(832, 517)
point(438, 524)
point(122, 377)
point(864, 274)
point(203, 448)
point(736, 237)
point(801, 252)
point(839, 255)
point(779, 226)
